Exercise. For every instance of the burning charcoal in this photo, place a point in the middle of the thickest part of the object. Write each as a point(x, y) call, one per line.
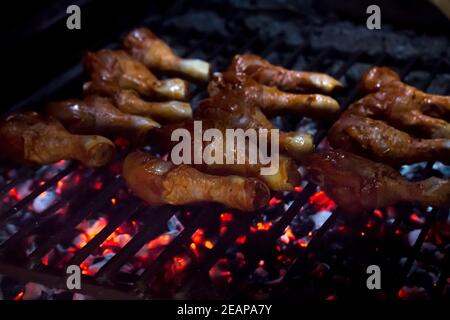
point(189, 21)
point(355, 72)
point(346, 37)
point(320, 217)
point(412, 293)
point(412, 236)
point(417, 78)
point(269, 28)
point(440, 84)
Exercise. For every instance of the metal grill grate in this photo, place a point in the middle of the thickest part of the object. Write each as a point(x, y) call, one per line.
point(110, 281)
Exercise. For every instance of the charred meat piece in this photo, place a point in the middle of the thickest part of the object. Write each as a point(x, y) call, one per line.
point(231, 106)
point(395, 123)
point(146, 47)
point(273, 101)
point(402, 105)
point(377, 139)
point(111, 71)
point(161, 182)
point(289, 80)
point(97, 115)
point(358, 185)
point(130, 102)
point(285, 178)
point(29, 138)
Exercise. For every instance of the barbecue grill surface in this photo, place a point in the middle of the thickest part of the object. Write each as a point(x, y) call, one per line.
point(300, 246)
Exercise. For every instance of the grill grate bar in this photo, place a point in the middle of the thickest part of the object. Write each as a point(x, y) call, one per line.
point(73, 220)
point(177, 243)
point(150, 230)
point(45, 216)
point(199, 270)
point(123, 212)
point(293, 210)
point(412, 256)
point(301, 261)
point(24, 174)
point(36, 192)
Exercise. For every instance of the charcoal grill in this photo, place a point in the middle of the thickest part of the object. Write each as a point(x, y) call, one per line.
point(317, 267)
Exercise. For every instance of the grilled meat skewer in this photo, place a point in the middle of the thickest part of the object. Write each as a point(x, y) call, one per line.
point(358, 185)
point(128, 101)
point(111, 71)
point(146, 47)
point(30, 138)
point(289, 80)
point(161, 182)
point(97, 115)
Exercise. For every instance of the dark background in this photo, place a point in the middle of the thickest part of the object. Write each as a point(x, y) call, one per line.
point(37, 46)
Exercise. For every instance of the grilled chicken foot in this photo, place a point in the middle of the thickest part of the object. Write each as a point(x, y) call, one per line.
point(359, 185)
point(402, 105)
point(111, 71)
point(289, 80)
point(375, 138)
point(146, 47)
point(161, 182)
point(97, 115)
point(271, 100)
point(372, 125)
point(128, 101)
point(29, 138)
point(235, 109)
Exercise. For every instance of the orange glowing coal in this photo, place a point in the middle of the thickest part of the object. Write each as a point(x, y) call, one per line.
point(89, 233)
point(263, 226)
point(198, 236)
point(322, 202)
point(19, 296)
point(274, 201)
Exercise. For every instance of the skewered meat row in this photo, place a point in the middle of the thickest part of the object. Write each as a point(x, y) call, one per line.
point(289, 80)
point(286, 177)
point(147, 48)
point(30, 138)
point(161, 182)
point(373, 125)
point(97, 115)
point(111, 71)
point(358, 184)
point(273, 101)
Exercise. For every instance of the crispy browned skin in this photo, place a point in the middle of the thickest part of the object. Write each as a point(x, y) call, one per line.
point(161, 182)
point(402, 105)
point(29, 138)
point(357, 184)
point(290, 80)
point(273, 101)
point(231, 106)
point(372, 125)
point(97, 115)
point(146, 47)
point(286, 177)
point(385, 143)
point(128, 101)
point(113, 70)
